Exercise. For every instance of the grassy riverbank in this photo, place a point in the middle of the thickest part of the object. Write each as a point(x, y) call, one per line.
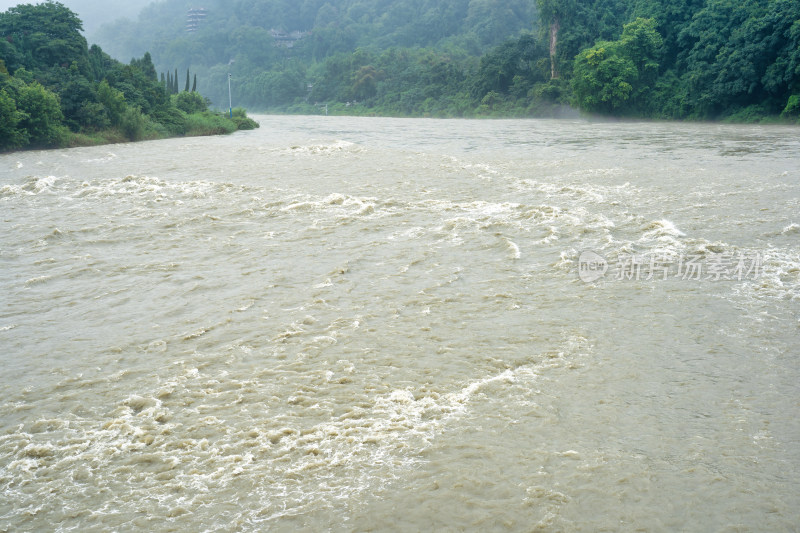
point(194, 125)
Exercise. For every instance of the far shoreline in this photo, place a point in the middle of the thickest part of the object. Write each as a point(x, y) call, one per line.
point(563, 113)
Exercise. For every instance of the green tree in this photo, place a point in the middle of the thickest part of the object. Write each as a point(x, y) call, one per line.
point(642, 44)
point(365, 82)
point(603, 78)
point(92, 117)
point(616, 76)
point(190, 102)
point(792, 109)
point(133, 123)
point(10, 55)
point(113, 101)
point(513, 62)
point(45, 35)
point(703, 41)
point(100, 63)
point(146, 67)
point(42, 115)
point(74, 90)
point(10, 135)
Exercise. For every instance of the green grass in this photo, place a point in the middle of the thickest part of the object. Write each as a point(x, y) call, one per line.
point(112, 136)
point(208, 123)
point(175, 124)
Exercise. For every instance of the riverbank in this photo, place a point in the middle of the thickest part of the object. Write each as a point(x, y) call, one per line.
point(198, 125)
point(202, 124)
point(552, 111)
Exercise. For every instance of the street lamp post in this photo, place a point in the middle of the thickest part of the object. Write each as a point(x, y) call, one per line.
point(230, 98)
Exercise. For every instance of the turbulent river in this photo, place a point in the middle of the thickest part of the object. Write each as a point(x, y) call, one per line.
point(354, 324)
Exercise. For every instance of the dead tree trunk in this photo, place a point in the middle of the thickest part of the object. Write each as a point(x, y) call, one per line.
point(554, 27)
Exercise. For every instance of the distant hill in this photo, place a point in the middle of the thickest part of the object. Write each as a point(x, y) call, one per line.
point(337, 25)
point(696, 59)
point(270, 37)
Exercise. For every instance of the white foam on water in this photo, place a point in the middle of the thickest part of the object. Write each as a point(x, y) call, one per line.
point(791, 229)
point(662, 228)
point(10, 190)
point(657, 238)
point(777, 277)
point(594, 193)
point(339, 207)
point(154, 188)
point(32, 186)
point(551, 237)
point(524, 218)
point(38, 280)
point(38, 185)
point(181, 443)
point(344, 369)
point(513, 248)
point(110, 156)
point(325, 149)
point(247, 305)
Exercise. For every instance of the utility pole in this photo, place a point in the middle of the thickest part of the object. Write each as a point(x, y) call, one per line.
point(230, 98)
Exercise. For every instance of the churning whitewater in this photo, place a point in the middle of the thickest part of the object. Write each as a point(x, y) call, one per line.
point(354, 324)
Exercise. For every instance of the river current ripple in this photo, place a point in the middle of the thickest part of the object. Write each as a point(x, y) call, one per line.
point(355, 324)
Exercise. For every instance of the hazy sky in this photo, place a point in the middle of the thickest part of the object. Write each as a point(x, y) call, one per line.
point(93, 13)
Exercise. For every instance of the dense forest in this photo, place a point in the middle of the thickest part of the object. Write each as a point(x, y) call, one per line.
point(56, 91)
point(92, 13)
point(665, 59)
point(676, 59)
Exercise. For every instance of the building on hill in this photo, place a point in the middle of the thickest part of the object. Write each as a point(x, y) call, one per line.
point(287, 40)
point(195, 17)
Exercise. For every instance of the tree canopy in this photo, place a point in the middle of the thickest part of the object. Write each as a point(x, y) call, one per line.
point(56, 91)
point(680, 59)
point(696, 59)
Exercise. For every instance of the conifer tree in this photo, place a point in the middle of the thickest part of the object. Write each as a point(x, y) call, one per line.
point(186, 87)
point(194, 85)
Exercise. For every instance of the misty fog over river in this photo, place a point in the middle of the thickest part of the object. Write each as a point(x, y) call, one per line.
point(355, 324)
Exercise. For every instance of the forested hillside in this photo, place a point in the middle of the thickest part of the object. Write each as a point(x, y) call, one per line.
point(699, 59)
point(240, 29)
point(402, 52)
point(676, 59)
point(56, 91)
point(683, 59)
